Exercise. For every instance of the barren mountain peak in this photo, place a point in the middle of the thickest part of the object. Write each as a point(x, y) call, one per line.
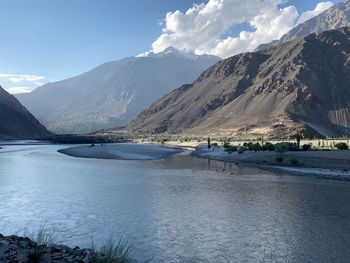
point(299, 86)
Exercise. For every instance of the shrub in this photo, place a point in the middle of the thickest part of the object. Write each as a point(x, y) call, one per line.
point(42, 238)
point(294, 162)
point(268, 147)
point(253, 146)
point(241, 150)
point(226, 144)
point(282, 147)
point(342, 146)
point(230, 149)
point(256, 147)
point(279, 159)
point(163, 140)
point(306, 147)
point(293, 147)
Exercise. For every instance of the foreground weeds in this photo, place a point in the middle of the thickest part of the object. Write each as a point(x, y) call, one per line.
point(112, 251)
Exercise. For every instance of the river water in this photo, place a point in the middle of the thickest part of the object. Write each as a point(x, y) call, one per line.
point(183, 209)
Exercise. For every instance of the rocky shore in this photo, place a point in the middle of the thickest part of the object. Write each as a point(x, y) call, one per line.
point(14, 249)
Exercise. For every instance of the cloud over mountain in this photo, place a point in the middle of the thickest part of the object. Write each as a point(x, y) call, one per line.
point(320, 7)
point(21, 83)
point(202, 27)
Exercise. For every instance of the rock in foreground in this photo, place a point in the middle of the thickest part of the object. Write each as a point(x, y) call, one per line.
point(23, 250)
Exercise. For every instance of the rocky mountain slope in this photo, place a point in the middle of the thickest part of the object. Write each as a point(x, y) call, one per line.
point(113, 93)
point(335, 17)
point(300, 86)
point(16, 122)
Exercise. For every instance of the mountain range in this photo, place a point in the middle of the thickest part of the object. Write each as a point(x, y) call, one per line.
point(113, 93)
point(333, 18)
point(301, 86)
point(297, 84)
point(16, 122)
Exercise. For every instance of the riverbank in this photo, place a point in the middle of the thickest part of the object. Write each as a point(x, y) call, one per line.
point(122, 151)
point(24, 250)
point(329, 164)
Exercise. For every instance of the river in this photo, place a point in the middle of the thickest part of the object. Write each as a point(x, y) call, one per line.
point(182, 209)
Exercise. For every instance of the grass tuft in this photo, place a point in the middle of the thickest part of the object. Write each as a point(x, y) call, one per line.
point(42, 239)
point(42, 236)
point(112, 252)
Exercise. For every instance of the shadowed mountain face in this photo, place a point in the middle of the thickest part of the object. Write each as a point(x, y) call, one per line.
point(16, 122)
point(300, 86)
point(114, 93)
point(336, 17)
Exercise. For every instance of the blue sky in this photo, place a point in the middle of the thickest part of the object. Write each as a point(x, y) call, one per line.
point(57, 39)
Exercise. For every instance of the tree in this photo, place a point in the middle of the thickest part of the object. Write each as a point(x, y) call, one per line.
point(306, 147)
point(256, 147)
point(268, 147)
point(294, 162)
point(342, 146)
point(279, 159)
point(163, 140)
point(282, 147)
point(298, 140)
point(230, 149)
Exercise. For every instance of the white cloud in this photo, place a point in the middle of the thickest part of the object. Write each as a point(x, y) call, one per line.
point(201, 27)
point(20, 78)
point(269, 26)
point(323, 6)
point(17, 90)
point(144, 54)
point(21, 83)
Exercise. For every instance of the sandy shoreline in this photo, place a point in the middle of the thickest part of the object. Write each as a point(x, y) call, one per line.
point(327, 164)
point(122, 151)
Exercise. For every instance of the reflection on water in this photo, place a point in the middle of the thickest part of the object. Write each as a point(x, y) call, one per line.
point(180, 210)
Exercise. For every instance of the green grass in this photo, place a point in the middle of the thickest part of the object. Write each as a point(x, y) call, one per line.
point(42, 238)
point(279, 159)
point(294, 161)
point(112, 252)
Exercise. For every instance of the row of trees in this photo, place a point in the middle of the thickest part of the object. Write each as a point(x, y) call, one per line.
point(280, 147)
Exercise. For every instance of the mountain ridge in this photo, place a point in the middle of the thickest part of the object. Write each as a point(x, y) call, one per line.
point(335, 17)
point(113, 93)
point(281, 91)
point(16, 122)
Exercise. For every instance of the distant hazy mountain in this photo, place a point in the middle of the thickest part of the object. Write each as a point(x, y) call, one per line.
point(335, 17)
point(300, 86)
point(16, 122)
point(114, 93)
